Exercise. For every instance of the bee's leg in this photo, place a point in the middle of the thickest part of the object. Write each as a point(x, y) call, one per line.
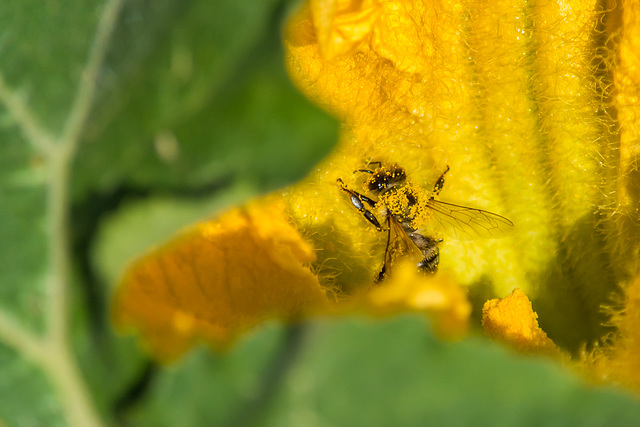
point(381, 275)
point(437, 188)
point(368, 170)
point(383, 271)
point(358, 200)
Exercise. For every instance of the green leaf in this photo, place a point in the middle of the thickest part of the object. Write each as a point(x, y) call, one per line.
point(365, 372)
point(200, 95)
point(23, 234)
point(222, 387)
point(103, 104)
point(24, 385)
point(44, 48)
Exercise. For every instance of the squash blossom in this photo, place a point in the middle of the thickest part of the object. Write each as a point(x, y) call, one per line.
point(534, 107)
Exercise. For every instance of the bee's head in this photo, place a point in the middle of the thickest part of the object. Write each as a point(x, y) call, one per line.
point(386, 177)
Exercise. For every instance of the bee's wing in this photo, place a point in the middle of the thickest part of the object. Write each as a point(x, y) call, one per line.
point(399, 245)
point(463, 223)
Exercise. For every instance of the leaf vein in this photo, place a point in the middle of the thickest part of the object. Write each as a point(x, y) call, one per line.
point(33, 131)
point(89, 77)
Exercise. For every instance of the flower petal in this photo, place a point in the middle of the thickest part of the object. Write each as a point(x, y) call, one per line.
point(619, 360)
point(409, 290)
point(513, 320)
point(219, 279)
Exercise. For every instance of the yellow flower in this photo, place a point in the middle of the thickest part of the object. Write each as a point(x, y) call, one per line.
point(535, 111)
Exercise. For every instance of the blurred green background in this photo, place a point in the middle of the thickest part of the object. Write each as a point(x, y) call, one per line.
point(191, 111)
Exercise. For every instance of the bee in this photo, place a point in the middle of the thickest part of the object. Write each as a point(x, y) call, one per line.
point(407, 208)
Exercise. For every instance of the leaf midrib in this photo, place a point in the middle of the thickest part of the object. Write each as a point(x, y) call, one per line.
point(53, 352)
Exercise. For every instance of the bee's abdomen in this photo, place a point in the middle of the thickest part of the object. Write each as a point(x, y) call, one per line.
point(430, 262)
point(430, 252)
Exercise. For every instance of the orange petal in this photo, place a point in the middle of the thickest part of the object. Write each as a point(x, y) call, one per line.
point(512, 320)
point(219, 279)
point(438, 296)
